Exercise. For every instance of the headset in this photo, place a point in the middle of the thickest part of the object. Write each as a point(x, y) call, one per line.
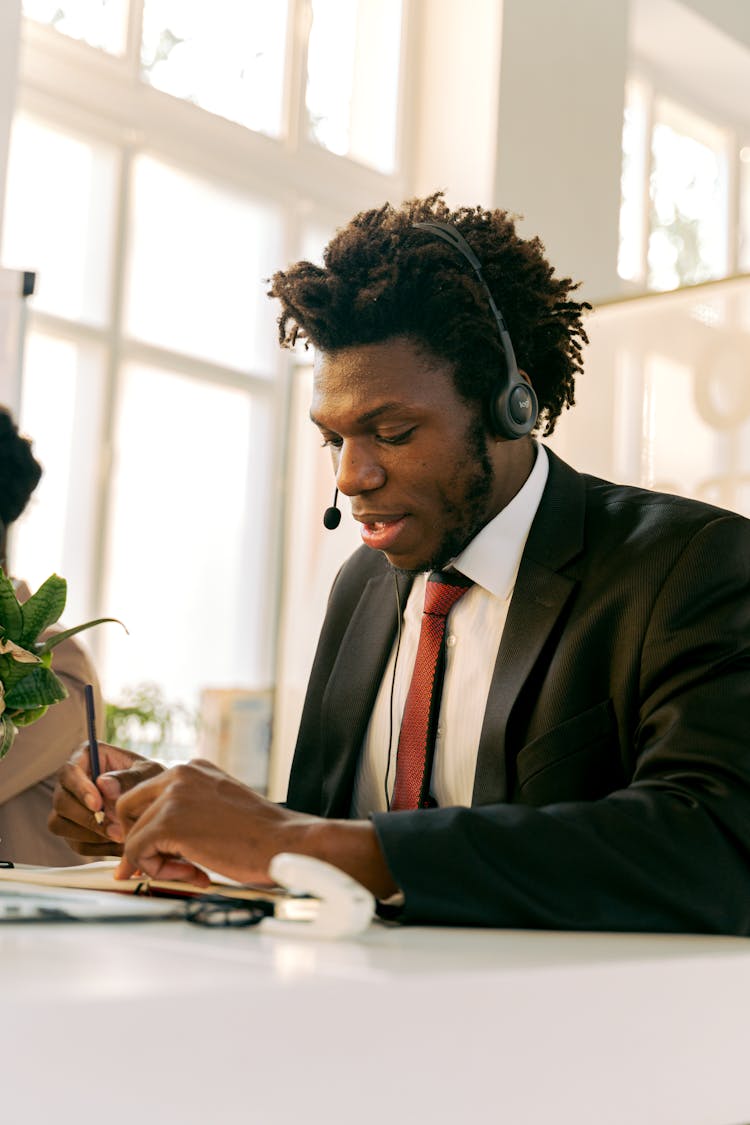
point(513, 406)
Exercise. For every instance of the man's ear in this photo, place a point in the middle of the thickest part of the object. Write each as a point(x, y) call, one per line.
point(523, 375)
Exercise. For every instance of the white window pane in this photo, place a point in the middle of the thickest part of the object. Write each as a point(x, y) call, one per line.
point(688, 241)
point(100, 23)
point(59, 218)
point(199, 260)
point(61, 411)
point(353, 77)
point(187, 547)
point(227, 57)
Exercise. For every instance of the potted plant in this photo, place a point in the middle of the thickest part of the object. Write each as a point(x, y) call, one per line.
point(28, 686)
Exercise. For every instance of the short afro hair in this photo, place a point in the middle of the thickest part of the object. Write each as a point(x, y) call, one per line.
point(20, 472)
point(383, 279)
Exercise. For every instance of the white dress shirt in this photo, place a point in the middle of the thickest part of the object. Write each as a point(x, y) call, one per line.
point(473, 633)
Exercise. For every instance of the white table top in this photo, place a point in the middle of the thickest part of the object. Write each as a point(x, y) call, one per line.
point(167, 1022)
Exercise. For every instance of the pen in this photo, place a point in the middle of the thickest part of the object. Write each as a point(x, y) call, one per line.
point(93, 744)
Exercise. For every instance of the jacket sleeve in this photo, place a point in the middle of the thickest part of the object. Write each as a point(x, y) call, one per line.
point(669, 852)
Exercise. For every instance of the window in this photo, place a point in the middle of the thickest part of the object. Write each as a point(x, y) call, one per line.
point(60, 217)
point(186, 152)
point(689, 200)
point(197, 286)
point(678, 224)
point(352, 79)
point(103, 24)
point(223, 56)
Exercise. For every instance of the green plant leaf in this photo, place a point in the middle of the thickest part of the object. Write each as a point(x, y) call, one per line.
point(38, 688)
point(7, 734)
point(43, 608)
point(11, 617)
point(25, 718)
point(56, 638)
point(12, 671)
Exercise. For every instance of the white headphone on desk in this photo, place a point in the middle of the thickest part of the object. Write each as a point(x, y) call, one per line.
point(345, 907)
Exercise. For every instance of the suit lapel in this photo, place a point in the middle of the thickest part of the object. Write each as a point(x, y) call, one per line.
point(540, 594)
point(353, 686)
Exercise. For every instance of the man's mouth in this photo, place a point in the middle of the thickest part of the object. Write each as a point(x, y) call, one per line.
point(381, 531)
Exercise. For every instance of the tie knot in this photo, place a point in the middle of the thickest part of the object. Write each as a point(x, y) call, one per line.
point(443, 591)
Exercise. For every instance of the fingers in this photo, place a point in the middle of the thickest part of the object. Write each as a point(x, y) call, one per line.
point(166, 868)
point(75, 803)
point(163, 820)
point(75, 776)
point(143, 816)
point(184, 783)
point(135, 800)
point(83, 812)
point(113, 783)
point(112, 758)
point(83, 840)
point(73, 830)
point(74, 779)
point(150, 848)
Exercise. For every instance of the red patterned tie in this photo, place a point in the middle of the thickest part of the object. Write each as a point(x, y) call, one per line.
point(417, 739)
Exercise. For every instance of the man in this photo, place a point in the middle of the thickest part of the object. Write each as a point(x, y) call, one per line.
point(587, 764)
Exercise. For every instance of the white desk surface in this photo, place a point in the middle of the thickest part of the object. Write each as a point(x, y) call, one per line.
point(166, 1022)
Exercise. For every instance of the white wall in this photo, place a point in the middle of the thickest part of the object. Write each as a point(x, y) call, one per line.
point(559, 139)
point(453, 120)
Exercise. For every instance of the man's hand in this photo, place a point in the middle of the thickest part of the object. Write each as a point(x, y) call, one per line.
point(194, 816)
point(77, 799)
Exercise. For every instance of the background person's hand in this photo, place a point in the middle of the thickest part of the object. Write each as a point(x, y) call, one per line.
point(77, 799)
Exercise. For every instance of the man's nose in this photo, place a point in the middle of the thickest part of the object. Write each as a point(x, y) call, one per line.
point(357, 470)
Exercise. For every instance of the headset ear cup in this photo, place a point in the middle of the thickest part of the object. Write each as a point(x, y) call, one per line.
point(513, 412)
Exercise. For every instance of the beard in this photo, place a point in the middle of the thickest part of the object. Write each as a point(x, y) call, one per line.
point(465, 518)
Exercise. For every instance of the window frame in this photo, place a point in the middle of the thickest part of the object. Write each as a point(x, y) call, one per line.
point(60, 79)
point(653, 86)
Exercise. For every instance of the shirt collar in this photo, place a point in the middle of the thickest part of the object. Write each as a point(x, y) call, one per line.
point(493, 556)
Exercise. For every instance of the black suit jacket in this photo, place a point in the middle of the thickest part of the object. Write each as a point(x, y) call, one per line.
point(612, 788)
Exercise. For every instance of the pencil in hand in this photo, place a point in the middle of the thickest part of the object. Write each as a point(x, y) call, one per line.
point(93, 744)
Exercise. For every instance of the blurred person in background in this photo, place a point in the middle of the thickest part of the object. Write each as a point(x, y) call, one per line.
point(27, 773)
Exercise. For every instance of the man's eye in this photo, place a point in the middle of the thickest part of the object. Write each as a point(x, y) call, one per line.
point(331, 442)
point(397, 439)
